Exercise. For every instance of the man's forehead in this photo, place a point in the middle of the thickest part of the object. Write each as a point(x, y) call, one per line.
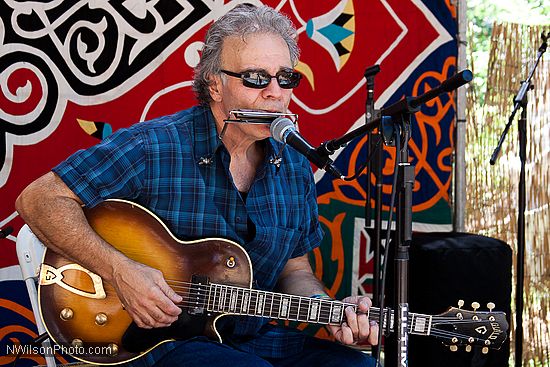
point(253, 48)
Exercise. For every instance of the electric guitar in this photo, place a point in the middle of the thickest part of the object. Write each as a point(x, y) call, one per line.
point(84, 316)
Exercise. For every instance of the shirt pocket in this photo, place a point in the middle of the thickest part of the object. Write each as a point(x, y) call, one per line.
point(269, 251)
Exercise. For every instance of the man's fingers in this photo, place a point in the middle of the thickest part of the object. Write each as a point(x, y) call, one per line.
point(141, 321)
point(351, 320)
point(364, 326)
point(364, 304)
point(168, 308)
point(374, 330)
point(169, 292)
point(346, 334)
point(154, 318)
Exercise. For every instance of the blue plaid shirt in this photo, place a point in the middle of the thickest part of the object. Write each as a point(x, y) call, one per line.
point(160, 165)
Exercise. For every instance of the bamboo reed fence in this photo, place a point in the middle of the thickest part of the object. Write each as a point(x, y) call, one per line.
point(492, 191)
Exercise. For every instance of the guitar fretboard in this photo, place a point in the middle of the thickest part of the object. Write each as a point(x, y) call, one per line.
point(220, 298)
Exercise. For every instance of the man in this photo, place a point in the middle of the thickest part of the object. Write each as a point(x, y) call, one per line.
point(202, 186)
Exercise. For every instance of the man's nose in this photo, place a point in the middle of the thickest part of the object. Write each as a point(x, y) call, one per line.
point(273, 90)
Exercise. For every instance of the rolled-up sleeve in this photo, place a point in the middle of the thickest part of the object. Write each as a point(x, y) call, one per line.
point(114, 168)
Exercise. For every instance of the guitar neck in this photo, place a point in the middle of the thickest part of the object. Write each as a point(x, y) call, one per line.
point(233, 300)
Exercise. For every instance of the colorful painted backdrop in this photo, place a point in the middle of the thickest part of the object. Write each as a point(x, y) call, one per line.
point(73, 72)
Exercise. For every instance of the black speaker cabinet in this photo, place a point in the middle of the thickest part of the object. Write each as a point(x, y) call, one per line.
point(447, 267)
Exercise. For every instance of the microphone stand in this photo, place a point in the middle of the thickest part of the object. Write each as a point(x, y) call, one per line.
point(394, 124)
point(373, 147)
point(520, 100)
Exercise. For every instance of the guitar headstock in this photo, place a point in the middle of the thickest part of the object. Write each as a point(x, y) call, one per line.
point(459, 327)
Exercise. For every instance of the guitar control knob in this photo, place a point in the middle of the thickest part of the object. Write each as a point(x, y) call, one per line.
point(66, 314)
point(453, 348)
point(77, 343)
point(113, 349)
point(101, 319)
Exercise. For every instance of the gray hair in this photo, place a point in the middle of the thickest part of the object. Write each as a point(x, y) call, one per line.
point(243, 20)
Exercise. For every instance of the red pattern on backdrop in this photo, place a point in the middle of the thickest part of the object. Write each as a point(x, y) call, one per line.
point(154, 79)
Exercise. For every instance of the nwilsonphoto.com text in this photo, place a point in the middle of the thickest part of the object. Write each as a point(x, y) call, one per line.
point(27, 350)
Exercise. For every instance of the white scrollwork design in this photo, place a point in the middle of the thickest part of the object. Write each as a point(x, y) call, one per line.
point(126, 30)
point(81, 46)
point(87, 52)
point(22, 93)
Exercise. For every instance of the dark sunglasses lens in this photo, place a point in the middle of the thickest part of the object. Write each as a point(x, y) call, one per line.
point(261, 79)
point(256, 79)
point(288, 79)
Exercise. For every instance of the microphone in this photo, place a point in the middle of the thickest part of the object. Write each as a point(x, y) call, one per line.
point(454, 82)
point(412, 104)
point(284, 131)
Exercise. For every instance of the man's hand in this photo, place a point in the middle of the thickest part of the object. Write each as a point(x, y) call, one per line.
point(357, 327)
point(145, 295)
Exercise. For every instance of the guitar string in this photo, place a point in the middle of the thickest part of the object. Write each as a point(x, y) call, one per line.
point(293, 314)
point(224, 303)
point(434, 332)
point(193, 290)
point(218, 299)
point(327, 313)
point(251, 292)
point(254, 296)
point(450, 335)
point(193, 285)
point(293, 309)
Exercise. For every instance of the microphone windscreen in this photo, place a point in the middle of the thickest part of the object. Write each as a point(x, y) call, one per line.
point(279, 126)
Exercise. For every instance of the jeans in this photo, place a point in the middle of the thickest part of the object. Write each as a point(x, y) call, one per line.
point(202, 352)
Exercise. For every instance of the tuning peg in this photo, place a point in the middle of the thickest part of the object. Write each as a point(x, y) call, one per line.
point(490, 306)
point(468, 348)
point(453, 348)
point(475, 306)
point(484, 350)
point(460, 303)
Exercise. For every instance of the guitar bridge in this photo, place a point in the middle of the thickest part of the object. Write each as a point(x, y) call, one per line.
point(197, 294)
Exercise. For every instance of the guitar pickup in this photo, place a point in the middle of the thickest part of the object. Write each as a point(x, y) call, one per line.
point(198, 292)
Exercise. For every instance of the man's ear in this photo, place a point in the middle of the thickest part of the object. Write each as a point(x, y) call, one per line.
point(215, 88)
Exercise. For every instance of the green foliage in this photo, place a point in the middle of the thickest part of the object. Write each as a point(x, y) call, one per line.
point(482, 14)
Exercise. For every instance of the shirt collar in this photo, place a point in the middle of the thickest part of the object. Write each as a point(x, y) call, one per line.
point(206, 139)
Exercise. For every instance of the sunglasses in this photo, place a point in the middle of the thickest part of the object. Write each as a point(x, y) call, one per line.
point(259, 79)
